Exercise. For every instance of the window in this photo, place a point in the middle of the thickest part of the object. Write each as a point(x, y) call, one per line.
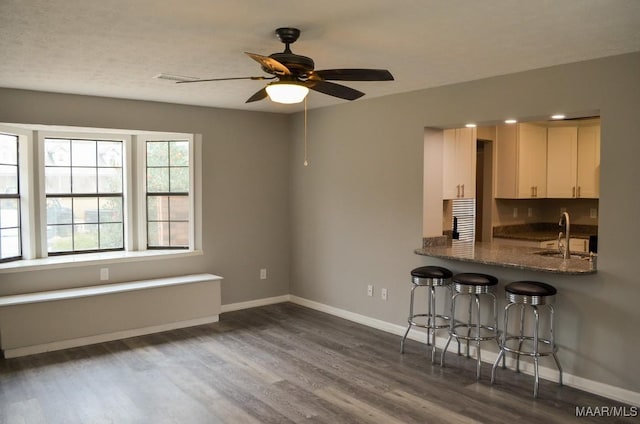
point(84, 192)
point(167, 180)
point(76, 195)
point(10, 245)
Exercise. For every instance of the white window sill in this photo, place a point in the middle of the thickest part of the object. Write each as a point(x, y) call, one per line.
point(87, 259)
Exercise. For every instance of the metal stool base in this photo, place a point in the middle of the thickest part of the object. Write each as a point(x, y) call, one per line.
point(535, 353)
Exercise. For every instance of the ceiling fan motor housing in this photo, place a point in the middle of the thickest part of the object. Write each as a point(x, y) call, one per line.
point(297, 64)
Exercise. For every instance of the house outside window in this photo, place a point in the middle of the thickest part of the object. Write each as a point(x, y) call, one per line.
point(10, 243)
point(167, 193)
point(84, 195)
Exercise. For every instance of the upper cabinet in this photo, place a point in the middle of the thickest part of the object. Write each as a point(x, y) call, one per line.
point(521, 161)
point(573, 161)
point(588, 161)
point(459, 163)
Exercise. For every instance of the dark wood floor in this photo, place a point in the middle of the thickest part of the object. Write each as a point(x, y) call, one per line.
point(275, 364)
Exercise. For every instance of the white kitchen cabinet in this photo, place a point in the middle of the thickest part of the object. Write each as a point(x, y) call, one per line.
point(521, 161)
point(459, 164)
point(573, 162)
point(588, 172)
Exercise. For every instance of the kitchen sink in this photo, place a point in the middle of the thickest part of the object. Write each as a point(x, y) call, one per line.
point(556, 254)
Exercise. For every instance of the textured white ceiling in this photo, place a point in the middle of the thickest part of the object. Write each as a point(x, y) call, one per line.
point(114, 48)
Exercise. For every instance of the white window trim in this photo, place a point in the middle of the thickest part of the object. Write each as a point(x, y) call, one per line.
point(33, 197)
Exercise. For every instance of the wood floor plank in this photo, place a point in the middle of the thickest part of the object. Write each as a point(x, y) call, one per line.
point(280, 363)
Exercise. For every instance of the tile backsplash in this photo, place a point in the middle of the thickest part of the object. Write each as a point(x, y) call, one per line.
point(582, 211)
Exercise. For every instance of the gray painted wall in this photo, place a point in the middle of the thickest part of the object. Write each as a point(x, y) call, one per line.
point(245, 191)
point(357, 209)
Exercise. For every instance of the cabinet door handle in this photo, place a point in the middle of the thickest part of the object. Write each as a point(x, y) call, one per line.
point(462, 190)
point(532, 193)
point(578, 191)
point(458, 190)
point(573, 191)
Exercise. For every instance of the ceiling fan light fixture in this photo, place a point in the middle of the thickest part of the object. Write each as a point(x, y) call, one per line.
point(286, 92)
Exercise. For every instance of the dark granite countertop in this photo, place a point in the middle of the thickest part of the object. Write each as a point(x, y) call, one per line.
point(524, 258)
point(542, 231)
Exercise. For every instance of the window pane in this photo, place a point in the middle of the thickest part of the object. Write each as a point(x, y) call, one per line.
point(180, 180)
point(85, 237)
point(179, 208)
point(84, 180)
point(111, 236)
point(158, 234)
point(179, 153)
point(157, 153)
point(110, 180)
point(59, 238)
point(110, 153)
point(157, 180)
point(57, 152)
point(157, 208)
point(83, 153)
point(8, 179)
point(8, 149)
point(179, 233)
point(59, 210)
point(9, 243)
point(9, 213)
point(111, 210)
point(57, 180)
point(85, 209)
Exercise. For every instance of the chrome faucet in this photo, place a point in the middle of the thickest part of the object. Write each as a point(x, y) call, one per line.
point(564, 246)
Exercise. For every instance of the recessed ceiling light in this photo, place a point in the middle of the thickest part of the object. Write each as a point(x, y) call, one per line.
point(470, 125)
point(558, 116)
point(510, 121)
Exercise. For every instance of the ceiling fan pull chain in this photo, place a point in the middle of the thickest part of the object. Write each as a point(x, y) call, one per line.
point(306, 162)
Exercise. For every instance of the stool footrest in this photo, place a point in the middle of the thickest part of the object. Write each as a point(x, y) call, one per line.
point(411, 321)
point(531, 353)
point(492, 332)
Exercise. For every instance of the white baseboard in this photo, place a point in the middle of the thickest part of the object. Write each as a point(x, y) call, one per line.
point(83, 341)
point(595, 387)
point(229, 307)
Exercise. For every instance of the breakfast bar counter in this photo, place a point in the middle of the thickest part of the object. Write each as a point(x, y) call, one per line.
point(525, 258)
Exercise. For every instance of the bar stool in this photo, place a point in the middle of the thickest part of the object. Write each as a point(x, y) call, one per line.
point(528, 294)
point(472, 285)
point(429, 277)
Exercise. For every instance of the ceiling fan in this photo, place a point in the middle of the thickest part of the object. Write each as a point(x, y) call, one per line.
point(294, 75)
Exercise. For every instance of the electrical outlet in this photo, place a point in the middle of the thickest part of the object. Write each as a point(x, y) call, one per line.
point(383, 294)
point(515, 212)
point(593, 213)
point(370, 290)
point(263, 273)
point(530, 212)
point(104, 274)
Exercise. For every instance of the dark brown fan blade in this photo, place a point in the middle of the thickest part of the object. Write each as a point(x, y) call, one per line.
point(270, 65)
point(259, 95)
point(352, 75)
point(224, 79)
point(333, 89)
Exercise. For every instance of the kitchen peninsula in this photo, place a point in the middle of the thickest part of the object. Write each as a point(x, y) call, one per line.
point(519, 257)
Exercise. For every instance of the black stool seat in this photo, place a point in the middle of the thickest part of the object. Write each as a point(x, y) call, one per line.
point(529, 292)
point(431, 272)
point(474, 279)
point(530, 288)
